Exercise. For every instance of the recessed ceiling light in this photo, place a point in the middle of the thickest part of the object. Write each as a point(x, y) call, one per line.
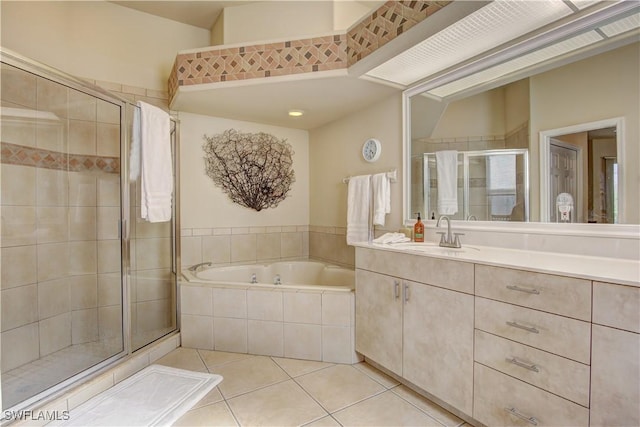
point(295, 113)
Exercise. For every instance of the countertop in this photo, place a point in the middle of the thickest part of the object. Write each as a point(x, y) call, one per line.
point(611, 270)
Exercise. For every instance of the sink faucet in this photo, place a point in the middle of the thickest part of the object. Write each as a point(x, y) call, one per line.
point(447, 239)
point(195, 268)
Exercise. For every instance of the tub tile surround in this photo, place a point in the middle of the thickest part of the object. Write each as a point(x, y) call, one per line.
point(244, 245)
point(300, 324)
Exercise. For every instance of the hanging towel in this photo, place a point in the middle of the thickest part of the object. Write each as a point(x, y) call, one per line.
point(156, 170)
point(381, 197)
point(358, 200)
point(134, 158)
point(447, 173)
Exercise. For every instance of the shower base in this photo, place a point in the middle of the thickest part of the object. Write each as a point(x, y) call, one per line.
point(32, 378)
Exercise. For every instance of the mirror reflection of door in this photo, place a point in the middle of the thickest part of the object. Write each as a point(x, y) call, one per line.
point(563, 176)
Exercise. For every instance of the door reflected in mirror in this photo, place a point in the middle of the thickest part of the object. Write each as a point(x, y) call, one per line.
point(581, 161)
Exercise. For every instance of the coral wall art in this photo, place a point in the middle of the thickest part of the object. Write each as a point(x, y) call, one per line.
point(254, 169)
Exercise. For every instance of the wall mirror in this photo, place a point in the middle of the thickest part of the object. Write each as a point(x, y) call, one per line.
point(570, 97)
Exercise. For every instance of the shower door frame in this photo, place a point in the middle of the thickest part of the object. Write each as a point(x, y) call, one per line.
point(41, 70)
point(465, 176)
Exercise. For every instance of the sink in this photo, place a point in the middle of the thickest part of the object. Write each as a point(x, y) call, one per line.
point(432, 248)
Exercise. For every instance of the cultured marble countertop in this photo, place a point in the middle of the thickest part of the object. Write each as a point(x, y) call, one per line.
point(612, 270)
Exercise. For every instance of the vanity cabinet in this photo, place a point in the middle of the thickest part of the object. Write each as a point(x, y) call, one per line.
point(503, 346)
point(421, 332)
point(379, 319)
point(532, 366)
point(615, 368)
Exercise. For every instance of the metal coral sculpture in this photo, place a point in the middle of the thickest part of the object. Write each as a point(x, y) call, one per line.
point(253, 169)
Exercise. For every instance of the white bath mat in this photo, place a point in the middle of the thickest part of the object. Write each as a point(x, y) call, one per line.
point(156, 396)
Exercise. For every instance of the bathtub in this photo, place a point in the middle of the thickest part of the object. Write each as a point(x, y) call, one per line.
point(308, 275)
point(294, 309)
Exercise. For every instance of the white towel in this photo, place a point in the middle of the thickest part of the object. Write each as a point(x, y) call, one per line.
point(134, 157)
point(156, 169)
point(447, 173)
point(390, 238)
point(358, 200)
point(381, 197)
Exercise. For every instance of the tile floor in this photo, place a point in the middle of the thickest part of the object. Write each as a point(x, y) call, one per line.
point(274, 391)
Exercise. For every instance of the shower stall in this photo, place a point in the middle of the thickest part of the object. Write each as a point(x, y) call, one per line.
point(84, 282)
point(493, 185)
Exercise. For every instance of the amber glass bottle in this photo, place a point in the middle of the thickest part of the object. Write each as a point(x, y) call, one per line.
point(418, 230)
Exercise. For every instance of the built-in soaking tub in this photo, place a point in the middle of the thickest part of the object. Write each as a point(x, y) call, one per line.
point(295, 309)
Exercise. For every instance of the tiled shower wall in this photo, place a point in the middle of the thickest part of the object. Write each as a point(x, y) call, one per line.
point(60, 213)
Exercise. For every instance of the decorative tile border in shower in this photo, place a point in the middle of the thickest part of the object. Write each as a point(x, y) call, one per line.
point(385, 24)
point(310, 55)
point(14, 154)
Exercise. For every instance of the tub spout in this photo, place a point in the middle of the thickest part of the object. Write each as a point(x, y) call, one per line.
point(254, 279)
point(195, 267)
point(277, 280)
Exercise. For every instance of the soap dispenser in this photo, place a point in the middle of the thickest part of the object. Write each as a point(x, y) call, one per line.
point(418, 230)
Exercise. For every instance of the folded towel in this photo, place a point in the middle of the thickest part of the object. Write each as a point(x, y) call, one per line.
point(381, 197)
point(156, 166)
point(358, 200)
point(390, 238)
point(447, 174)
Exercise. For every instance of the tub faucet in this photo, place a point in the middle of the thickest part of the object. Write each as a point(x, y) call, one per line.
point(254, 279)
point(277, 280)
point(447, 239)
point(195, 267)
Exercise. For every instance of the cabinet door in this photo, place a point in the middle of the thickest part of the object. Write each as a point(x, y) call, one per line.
point(379, 319)
point(615, 377)
point(438, 343)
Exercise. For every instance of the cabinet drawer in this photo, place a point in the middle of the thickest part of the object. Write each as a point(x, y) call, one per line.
point(617, 306)
point(556, 374)
point(556, 294)
point(454, 275)
point(500, 400)
point(556, 334)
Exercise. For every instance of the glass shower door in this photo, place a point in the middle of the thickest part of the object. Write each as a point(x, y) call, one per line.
point(62, 299)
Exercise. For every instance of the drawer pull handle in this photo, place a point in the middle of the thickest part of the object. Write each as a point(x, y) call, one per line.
point(396, 288)
point(523, 327)
point(531, 420)
point(529, 366)
point(406, 293)
point(525, 290)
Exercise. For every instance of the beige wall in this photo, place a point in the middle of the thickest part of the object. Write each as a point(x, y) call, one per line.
point(203, 205)
point(98, 40)
point(336, 152)
point(597, 88)
point(478, 115)
point(276, 20)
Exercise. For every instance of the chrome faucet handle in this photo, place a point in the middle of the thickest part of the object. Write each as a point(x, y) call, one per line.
point(457, 240)
point(443, 238)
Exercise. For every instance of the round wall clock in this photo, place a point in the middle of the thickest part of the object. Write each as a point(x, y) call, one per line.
point(371, 150)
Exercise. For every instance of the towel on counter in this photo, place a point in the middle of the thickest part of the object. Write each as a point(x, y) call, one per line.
point(381, 197)
point(390, 238)
point(156, 169)
point(447, 174)
point(358, 201)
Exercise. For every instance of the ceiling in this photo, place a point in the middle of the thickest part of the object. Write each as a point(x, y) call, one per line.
point(322, 100)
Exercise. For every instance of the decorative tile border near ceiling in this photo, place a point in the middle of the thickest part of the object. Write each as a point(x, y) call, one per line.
point(385, 24)
point(301, 56)
point(20, 155)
